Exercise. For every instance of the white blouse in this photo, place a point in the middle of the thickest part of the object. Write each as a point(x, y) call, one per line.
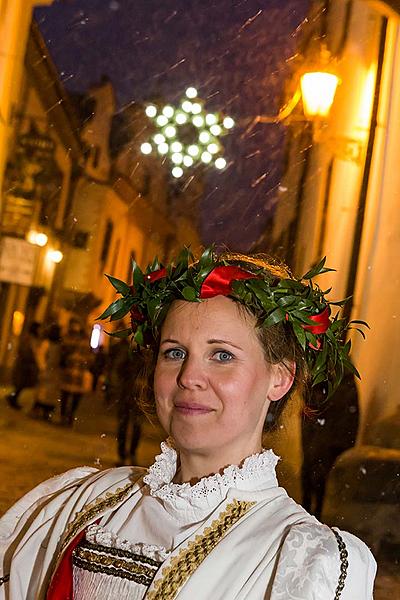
point(123, 551)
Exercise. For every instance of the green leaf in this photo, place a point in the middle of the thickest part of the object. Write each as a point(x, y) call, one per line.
point(119, 314)
point(121, 287)
point(275, 317)
point(315, 270)
point(364, 323)
point(286, 301)
point(112, 309)
point(138, 337)
point(318, 269)
point(153, 305)
point(319, 378)
point(189, 294)
point(138, 277)
point(300, 334)
point(122, 333)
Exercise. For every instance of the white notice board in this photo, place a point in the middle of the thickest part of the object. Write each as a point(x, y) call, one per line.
point(17, 261)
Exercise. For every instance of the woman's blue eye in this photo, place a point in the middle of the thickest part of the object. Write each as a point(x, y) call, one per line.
point(223, 356)
point(175, 354)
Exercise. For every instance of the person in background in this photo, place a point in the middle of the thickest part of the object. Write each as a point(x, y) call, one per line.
point(49, 358)
point(26, 369)
point(124, 365)
point(98, 365)
point(74, 365)
point(329, 430)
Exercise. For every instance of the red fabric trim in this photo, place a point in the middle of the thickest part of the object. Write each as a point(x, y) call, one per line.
point(61, 587)
point(321, 321)
point(219, 281)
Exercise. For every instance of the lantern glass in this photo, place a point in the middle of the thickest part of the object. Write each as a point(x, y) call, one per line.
point(318, 91)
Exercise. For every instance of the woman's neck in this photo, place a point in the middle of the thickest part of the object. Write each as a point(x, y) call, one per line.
point(194, 465)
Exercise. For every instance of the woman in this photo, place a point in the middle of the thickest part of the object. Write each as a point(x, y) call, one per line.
point(75, 361)
point(49, 358)
point(26, 368)
point(232, 337)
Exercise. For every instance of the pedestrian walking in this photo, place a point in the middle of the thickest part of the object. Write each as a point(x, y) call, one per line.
point(48, 389)
point(25, 372)
point(124, 366)
point(330, 429)
point(75, 363)
point(98, 366)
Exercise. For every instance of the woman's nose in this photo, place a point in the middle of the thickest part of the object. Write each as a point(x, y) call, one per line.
point(192, 374)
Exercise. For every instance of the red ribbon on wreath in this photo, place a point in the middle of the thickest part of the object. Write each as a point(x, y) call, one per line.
point(219, 281)
point(322, 322)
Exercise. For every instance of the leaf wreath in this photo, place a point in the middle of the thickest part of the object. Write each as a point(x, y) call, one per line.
point(296, 302)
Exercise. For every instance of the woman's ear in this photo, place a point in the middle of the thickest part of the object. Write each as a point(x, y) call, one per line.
point(282, 380)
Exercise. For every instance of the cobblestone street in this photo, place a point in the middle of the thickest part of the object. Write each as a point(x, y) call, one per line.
point(32, 451)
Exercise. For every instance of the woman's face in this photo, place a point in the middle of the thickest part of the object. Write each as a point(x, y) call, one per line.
point(212, 384)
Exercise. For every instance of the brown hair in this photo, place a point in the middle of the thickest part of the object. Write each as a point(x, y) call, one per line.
point(279, 342)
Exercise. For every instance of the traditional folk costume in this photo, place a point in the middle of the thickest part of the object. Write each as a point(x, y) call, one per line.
point(130, 533)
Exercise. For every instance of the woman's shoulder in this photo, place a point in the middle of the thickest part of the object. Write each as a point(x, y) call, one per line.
point(320, 561)
point(56, 490)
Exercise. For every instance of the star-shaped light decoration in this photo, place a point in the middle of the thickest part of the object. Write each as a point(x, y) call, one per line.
point(188, 135)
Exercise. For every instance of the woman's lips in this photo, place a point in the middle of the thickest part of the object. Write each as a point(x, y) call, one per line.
point(191, 408)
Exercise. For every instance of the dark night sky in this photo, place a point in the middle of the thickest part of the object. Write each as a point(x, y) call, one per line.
point(234, 51)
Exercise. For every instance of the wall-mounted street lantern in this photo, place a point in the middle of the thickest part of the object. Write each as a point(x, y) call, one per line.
point(317, 88)
point(318, 91)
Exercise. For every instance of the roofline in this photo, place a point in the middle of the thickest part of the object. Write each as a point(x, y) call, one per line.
point(52, 92)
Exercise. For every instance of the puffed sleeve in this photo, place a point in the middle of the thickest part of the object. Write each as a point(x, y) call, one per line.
point(20, 515)
point(309, 565)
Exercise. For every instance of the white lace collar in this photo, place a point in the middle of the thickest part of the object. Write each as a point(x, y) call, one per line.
point(192, 502)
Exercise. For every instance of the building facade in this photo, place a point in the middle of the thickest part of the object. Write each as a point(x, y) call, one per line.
point(340, 194)
point(73, 210)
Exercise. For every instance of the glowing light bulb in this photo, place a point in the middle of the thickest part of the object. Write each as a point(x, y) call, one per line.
point(220, 163)
point(151, 111)
point(38, 239)
point(176, 147)
point(159, 138)
point(228, 123)
point(198, 121)
point(163, 148)
point(161, 120)
point(191, 92)
point(177, 172)
point(187, 106)
point(213, 148)
point(206, 157)
point(55, 256)
point(95, 336)
point(187, 161)
point(193, 150)
point(177, 158)
point(146, 148)
point(204, 137)
point(170, 131)
point(216, 129)
point(196, 108)
point(168, 111)
point(41, 239)
point(180, 118)
point(211, 119)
